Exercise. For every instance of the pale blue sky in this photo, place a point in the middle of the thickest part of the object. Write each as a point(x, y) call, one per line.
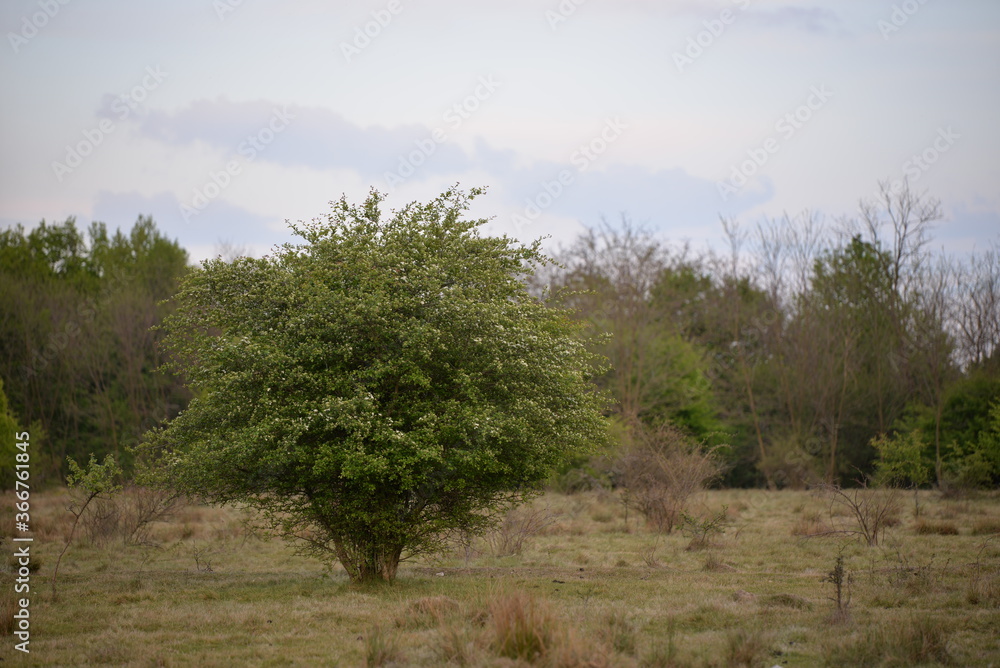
point(873, 83)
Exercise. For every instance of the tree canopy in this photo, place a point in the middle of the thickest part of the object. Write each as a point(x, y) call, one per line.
point(385, 383)
point(77, 357)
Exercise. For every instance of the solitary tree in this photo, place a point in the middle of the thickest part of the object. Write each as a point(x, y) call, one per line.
point(378, 387)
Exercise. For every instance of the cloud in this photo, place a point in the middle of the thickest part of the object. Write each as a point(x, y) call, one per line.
point(308, 136)
point(320, 139)
point(968, 227)
point(814, 20)
point(220, 221)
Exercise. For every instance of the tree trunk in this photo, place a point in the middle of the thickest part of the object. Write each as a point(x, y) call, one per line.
point(368, 562)
point(937, 441)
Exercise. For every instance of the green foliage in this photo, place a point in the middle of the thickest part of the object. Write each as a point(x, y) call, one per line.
point(977, 464)
point(901, 460)
point(8, 438)
point(76, 352)
point(95, 479)
point(965, 415)
point(701, 531)
point(384, 384)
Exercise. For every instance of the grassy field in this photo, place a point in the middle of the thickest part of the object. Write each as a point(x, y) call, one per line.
point(588, 588)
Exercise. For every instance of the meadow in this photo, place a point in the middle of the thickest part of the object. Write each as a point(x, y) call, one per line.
point(572, 580)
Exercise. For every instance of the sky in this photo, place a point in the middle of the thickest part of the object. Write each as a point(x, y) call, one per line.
point(223, 119)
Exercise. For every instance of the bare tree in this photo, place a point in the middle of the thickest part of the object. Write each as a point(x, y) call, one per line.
point(618, 266)
point(978, 314)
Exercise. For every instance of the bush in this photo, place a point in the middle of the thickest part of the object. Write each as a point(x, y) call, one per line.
point(791, 462)
point(519, 525)
point(701, 531)
point(873, 510)
point(129, 514)
point(377, 388)
point(662, 469)
point(976, 464)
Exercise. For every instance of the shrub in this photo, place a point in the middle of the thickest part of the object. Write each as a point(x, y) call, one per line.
point(873, 510)
point(702, 531)
point(841, 581)
point(385, 383)
point(984, 583)
point(662, 469)
point(88, 484)
point(519, 525)
point(790, 462)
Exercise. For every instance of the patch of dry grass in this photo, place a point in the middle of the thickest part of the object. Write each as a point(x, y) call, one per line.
point(927, 527)
point(580, 593)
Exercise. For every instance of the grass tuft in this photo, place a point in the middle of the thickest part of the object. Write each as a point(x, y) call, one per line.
point(618, 629)
point(929, 527)
point(426, 611)
point(912, 642)
point(986, 526)
point(787, 601)
point(381, 648)
point(746, 649)
point(524, 628)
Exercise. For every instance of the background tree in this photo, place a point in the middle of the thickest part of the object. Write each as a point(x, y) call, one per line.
point(76, 353)
point(375, 388)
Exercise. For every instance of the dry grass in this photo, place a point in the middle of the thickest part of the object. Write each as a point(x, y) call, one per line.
point(525, 629)
point(580, 593)
point(928, 527)
point(986, 526)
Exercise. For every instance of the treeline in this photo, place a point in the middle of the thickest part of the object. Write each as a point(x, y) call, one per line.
point(803, 342)
point(792, 351)
point(78, 360)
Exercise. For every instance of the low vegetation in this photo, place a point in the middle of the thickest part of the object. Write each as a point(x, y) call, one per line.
point(201, 590)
